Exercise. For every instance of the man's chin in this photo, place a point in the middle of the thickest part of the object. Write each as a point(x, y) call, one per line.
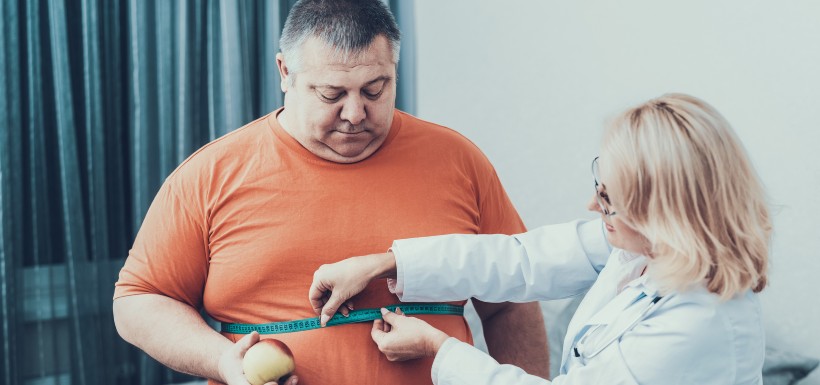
point(348, 153)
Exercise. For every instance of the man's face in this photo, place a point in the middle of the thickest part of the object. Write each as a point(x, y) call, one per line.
point(341, 112)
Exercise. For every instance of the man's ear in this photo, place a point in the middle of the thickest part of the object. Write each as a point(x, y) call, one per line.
point(283, 71)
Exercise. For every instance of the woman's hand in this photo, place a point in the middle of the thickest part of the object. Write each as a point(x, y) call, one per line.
point(230, 363)
point(405, 338)
point(334, 284)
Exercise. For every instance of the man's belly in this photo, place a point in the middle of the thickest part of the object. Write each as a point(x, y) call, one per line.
point(346, 354)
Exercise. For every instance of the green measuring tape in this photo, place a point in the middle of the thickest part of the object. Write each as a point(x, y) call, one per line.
point(363, 315)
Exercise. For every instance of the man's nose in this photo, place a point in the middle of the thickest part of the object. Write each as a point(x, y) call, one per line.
point(353, 110)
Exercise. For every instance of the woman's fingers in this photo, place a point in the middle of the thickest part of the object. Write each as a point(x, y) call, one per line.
point(400, 337)
point(390, 317)
point(346, 308)
point(377, 332)
point(317, 294)
point(335, 284)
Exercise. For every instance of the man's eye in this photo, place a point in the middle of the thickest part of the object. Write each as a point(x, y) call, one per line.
point(330, 98)
point(372, 95)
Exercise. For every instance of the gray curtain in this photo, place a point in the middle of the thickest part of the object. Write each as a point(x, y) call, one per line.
point(100, 101)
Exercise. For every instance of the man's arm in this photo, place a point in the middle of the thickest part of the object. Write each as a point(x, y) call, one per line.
point(175, 334)
point(515, 334)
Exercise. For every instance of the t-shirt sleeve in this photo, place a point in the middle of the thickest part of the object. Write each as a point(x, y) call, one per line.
point(170, 253)
point(497, 213)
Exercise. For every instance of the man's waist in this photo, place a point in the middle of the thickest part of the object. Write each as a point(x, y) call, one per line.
point(355, 316)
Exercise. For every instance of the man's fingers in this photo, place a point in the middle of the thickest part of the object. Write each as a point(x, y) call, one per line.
point(292, 380)
point(246, 342)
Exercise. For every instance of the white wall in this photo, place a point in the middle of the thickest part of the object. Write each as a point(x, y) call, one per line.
point(531, 82)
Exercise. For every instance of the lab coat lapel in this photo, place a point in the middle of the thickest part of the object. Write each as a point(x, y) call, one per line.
point(617, 308)
point(600, 303)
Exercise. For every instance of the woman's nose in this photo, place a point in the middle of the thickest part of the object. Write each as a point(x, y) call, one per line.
point(593, 205)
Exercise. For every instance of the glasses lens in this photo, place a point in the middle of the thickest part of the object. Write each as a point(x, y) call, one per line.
point(600, 196)
point(595, 173)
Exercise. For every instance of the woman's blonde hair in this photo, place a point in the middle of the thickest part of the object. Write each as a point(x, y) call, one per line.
point(679, 175)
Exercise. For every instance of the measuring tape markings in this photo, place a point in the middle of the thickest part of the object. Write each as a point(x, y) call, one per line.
point(355, 316)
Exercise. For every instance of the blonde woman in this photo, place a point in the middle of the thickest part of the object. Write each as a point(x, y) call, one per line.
point(673, 302)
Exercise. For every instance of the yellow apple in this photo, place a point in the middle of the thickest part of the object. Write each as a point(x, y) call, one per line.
point(268, 360)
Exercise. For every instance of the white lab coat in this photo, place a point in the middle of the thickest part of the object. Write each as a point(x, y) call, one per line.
point(685, 338)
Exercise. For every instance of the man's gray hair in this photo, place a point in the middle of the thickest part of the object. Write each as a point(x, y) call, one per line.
point(350, 26)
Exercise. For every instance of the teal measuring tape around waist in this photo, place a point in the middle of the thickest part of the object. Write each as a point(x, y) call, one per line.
point(363, 315)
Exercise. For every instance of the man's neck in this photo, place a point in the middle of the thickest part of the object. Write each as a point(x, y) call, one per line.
point(283, 118)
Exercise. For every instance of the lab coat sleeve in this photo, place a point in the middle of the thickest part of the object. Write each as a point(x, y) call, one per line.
point(549, 262)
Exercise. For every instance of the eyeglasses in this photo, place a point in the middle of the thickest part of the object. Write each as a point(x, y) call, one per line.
point(600, 194)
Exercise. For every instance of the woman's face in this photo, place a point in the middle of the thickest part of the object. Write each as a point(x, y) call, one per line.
point(618, 231)
point(620, 234)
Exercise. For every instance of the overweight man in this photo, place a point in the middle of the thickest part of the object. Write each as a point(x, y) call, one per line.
point(240, 226)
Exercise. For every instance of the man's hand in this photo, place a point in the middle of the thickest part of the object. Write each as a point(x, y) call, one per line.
point(230, 363)
point(334, 284)
point(403, 338)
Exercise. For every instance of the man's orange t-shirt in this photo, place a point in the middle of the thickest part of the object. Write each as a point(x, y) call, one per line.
point(242, 224)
